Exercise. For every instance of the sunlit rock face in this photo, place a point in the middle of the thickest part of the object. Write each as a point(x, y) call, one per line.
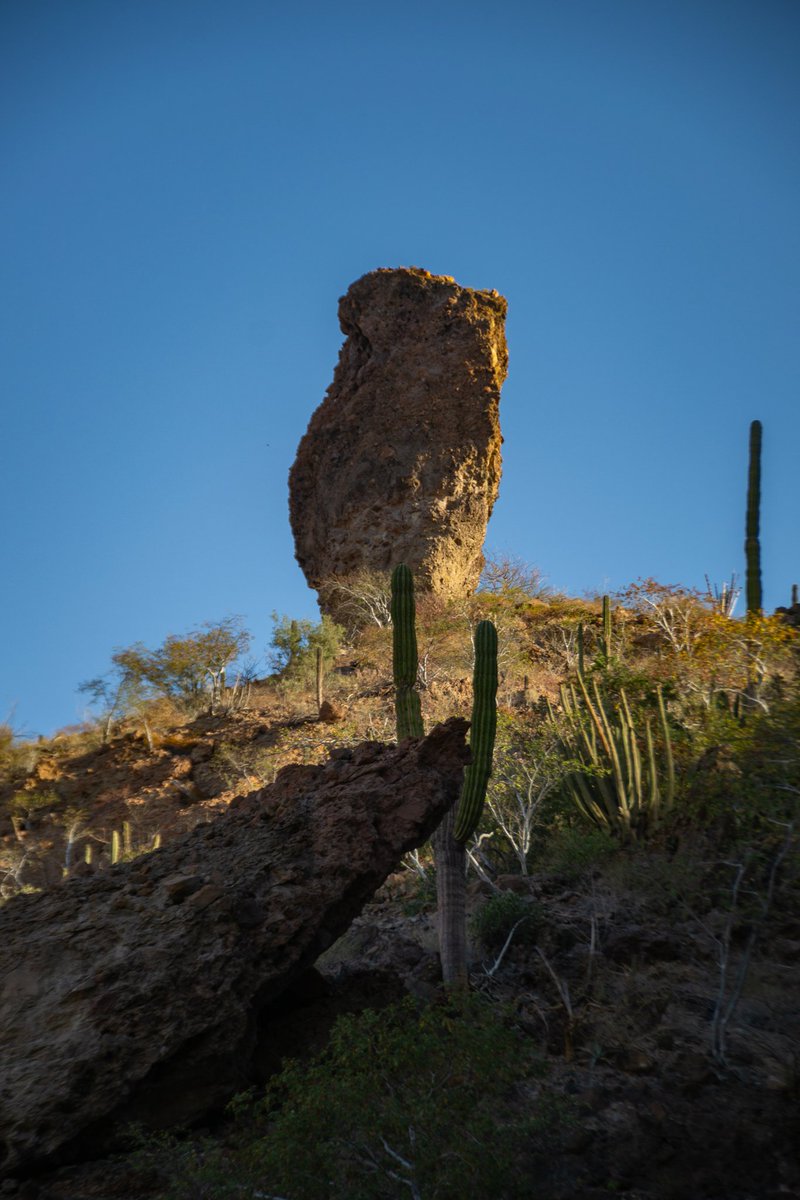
point(401, 461)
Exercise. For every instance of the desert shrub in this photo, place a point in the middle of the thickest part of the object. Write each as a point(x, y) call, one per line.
point(245, 764)
point(410, 1100)
point(493, 921)
point(572, 851)
point(17, 757)
point(508, 575)
point(747, 786)
point(294, 646)
point(526, 772)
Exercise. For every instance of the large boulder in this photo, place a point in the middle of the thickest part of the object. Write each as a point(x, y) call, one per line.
point(135, 995)
point(401, 461)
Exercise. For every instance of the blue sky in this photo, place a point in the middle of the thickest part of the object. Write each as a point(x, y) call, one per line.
point(189, 186)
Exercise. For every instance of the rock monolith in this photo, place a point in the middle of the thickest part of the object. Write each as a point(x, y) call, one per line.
point(135, 995)
point(401, 461)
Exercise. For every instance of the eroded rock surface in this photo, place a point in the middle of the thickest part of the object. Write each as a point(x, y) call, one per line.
point(401, 461)
point(134, 995)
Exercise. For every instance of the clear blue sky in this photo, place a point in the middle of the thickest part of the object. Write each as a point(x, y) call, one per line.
point(189, 186)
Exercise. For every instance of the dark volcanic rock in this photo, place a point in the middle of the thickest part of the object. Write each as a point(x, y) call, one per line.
point(134, 995)
point(401, 461)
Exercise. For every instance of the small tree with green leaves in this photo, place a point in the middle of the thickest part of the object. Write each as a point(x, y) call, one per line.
point(189, 669)
point(295, 643)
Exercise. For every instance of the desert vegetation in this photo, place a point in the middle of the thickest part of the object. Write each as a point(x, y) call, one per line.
point(638, 836)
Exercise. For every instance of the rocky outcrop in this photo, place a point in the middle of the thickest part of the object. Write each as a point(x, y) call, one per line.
point(401, 461)
point(134, 995)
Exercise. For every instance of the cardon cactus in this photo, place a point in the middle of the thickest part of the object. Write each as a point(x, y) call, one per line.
point(482, 732)
point(752, 546)
point(404, 655)
point(484, 708)
point(606, 629)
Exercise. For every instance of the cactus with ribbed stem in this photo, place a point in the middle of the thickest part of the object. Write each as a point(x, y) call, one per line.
point(483, 728)
point(405, 659)
point(752, 545)
point(607, 629)
point(620, 789)
point(484, 692)
point(449, 852)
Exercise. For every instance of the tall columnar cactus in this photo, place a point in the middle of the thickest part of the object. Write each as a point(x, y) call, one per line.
point(580, 648)
point(606, 628)
point(484, 692)
point(482, 732)
point(752, 546)
point(404, 655)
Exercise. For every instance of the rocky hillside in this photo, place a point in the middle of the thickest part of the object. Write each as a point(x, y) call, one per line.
point(647, 965)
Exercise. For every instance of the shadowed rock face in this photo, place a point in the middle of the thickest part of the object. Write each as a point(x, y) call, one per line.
point(401, 461)
point(133, 995)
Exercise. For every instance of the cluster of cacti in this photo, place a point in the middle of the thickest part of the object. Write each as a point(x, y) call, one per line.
point(124, 847)
point(752, 546)
point(484, 706)
point(612, 781)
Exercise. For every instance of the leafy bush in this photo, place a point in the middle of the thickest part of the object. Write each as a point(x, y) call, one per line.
point(295, 643)
point(406, 1101)
point(572, 851)
point(495, 919)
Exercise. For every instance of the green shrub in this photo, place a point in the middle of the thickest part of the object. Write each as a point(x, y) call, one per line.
point(573, 851)
point(495, 919)
point(407, 1101)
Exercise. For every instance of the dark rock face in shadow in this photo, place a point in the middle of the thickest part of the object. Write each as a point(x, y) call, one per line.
point(135, 994)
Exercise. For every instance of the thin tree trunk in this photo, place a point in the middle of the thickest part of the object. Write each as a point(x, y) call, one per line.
point(451, 888)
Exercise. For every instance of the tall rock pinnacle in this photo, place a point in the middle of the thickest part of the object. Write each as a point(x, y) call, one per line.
point(401, 461)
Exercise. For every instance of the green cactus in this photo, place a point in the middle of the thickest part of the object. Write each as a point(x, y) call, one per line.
point(482, 732)
point(404, 655)
point(484, 707)
point(606, 629)
point(752, 546)
point(580, 648)
point(610, 781)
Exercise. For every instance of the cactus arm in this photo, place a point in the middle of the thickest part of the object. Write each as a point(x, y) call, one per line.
point(606, 629)
point(482, 732)
point(404, 655)
point(653, 799)
point(662, 712)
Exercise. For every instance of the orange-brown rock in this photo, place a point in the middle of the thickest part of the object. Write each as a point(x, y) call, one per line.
point(136, 995)
point(401, 461)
